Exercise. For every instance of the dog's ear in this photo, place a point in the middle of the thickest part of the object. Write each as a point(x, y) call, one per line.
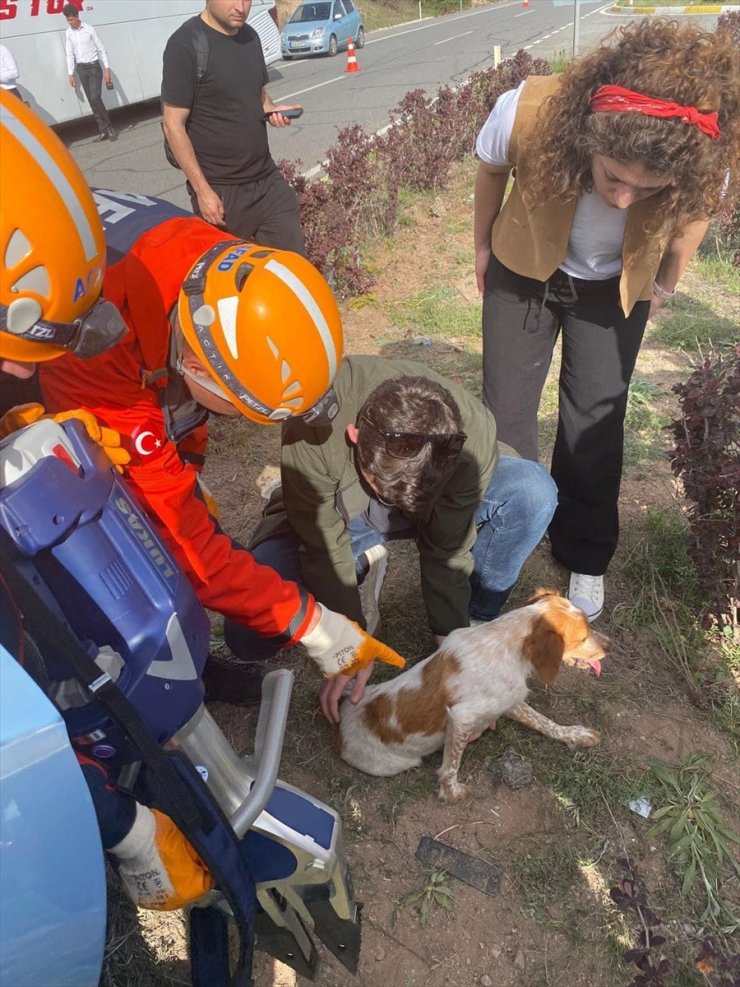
point(541, 593)
point(544, 648)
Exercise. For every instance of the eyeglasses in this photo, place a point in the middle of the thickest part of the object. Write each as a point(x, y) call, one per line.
point(406, 445)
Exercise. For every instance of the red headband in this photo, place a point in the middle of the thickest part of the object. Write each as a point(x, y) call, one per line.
point(616, 99)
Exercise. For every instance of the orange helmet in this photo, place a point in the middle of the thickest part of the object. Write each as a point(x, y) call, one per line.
point(265, 324)
point(52, 248)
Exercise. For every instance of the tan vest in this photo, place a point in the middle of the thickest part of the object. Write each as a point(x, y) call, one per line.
point(532, 240)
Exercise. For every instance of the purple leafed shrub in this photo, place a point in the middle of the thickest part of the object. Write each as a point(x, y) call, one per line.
point(356, 200)
point(707, 460)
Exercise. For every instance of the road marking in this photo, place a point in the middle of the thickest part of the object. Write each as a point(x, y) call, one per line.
point(454, 38)
point(319, 85)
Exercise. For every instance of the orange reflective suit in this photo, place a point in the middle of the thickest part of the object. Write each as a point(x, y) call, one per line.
point(133, 389)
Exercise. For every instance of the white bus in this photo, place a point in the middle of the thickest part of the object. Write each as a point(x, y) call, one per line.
point(134, 33)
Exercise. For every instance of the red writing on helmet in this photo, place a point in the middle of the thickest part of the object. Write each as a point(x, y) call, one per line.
point(227, 262)
point(90, 281)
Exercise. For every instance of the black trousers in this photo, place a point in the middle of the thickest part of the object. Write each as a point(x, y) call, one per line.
point(264, 211)
point(91, 79)
point(522, 319)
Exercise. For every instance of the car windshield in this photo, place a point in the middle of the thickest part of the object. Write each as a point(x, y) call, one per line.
point(311, 12)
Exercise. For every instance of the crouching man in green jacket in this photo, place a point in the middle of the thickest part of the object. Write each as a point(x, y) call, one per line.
point(407, 455)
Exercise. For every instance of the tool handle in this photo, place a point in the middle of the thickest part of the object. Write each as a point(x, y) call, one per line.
point(268, 747)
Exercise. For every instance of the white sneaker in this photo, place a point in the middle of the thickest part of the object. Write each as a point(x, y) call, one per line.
point(587, 592)
point(375, 560)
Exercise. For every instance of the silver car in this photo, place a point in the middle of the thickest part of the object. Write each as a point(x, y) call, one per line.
point(322, 27)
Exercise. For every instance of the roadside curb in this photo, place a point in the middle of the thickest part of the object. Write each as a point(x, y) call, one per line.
point(714, 8)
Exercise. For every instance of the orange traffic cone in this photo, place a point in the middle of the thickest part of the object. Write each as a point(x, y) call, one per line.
point(352, 65)
point(526, 4)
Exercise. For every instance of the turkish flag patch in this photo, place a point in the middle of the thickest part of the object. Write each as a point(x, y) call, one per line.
point(147, 441)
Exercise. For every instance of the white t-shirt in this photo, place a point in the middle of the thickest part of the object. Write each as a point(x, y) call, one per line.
point(597, 233)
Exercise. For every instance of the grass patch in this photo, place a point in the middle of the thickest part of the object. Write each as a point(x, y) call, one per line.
point(717, 270)
point(724, 712)
point(666, 595)
point(543, 876)
point(662, 546)
point(438, 312)
point(588, 783)
point(690, 323)
point(642, 425)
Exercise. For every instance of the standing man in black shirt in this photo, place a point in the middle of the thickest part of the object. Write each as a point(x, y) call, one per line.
point(216, 129)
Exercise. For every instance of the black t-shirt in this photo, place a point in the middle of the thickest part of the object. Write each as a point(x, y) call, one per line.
point(225, 124)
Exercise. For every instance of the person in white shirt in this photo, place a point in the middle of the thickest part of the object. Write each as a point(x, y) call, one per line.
point(9, 73)
point(85, 52)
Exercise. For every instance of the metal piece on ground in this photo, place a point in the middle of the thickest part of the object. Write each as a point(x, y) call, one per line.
point(477, 873)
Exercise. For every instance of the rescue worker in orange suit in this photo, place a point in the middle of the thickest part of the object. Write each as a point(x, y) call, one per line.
point(52, 263)
point(215, 325)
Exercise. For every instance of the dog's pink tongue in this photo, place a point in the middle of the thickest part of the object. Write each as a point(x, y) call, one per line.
point(596, 665)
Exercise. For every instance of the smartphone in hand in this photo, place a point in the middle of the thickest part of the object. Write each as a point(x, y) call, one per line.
point(290, 114)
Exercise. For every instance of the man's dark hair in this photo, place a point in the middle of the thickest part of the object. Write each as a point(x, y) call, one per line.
point(69, 10)
point(407, 404)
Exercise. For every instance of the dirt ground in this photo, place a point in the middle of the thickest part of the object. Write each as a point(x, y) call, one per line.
point(557, 840)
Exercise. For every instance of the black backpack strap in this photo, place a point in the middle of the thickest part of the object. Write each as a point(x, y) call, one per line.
point(202, 51)
point(201, 47)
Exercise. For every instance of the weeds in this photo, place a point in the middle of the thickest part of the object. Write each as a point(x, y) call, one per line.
point(435, 892)
point(700, 842)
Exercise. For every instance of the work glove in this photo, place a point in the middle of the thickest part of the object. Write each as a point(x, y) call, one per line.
point(108, 440)
point(157, 865)
point(340, 646)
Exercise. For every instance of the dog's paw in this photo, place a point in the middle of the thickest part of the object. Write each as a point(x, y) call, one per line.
point(583, 737)
point(453, 791)
point(268, 481)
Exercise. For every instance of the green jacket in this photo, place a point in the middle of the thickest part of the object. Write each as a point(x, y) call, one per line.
point(322, 491)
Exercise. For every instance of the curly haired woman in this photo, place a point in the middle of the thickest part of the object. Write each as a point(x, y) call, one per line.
point(619, 164)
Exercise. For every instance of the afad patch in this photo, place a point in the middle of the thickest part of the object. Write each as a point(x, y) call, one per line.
point(147, 441)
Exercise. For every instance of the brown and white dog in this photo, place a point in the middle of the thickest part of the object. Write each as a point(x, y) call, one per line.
point(476, 675)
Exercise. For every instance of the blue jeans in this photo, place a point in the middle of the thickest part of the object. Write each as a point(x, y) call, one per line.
point(511, 519)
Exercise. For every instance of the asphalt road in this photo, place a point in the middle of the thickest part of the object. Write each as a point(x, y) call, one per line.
point(424, 54)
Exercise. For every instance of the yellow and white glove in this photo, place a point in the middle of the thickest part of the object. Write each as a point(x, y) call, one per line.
point(108, 439)
point(157, 865)
point(340, 646)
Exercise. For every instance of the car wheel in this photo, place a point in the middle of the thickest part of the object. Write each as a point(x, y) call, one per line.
point(333, 46)
point(287, 58)
point(360, 43)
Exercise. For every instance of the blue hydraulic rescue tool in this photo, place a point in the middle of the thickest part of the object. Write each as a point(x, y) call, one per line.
point(123, 625)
